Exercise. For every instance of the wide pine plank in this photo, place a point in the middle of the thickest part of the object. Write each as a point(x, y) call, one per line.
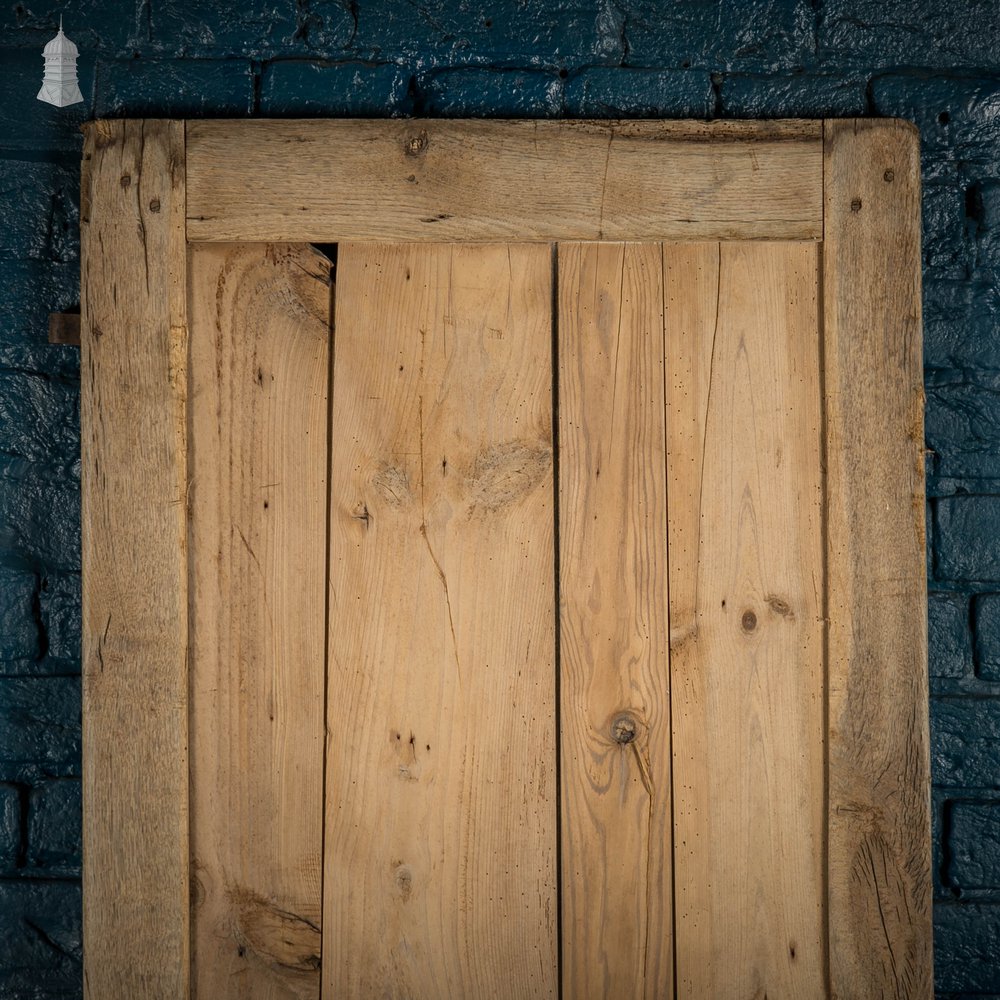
point(258, 415)
point(614, 684)
point(880, 857)
point(746, 603)
point(440, 875)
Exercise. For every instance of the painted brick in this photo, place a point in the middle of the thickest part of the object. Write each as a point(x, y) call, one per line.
point(94, 25)
point(962, 423)
point(949, 639)
point(965, 742)
point(29, 124)
point(39, 418)
point(29, 291)
point(59, 604)
point(40, 939)
point(957, 116)
point(967, 538)
point(255, 28)
point(793, 96)
point(39, 203)
point(174, 88)
point(53, 360)
point(488, 93)
point(939, 889)
point(41, 524)
point(19, 638)
point(900, 32)
point(54, 828)
point(948, 247)
point(948, 995)
point(344, 89)
point(39, 726)
point(966, 946)
point(612, 93)
point(974, 845)
point(987, 619)
point(444, 33)
point(930, 516)
point(983, 200)
point(758, 36)
point(10, 829)
point(961, 324)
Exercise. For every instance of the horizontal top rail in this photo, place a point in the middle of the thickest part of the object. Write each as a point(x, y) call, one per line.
point(481, 181)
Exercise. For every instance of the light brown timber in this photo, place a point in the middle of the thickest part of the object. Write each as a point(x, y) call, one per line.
point(260, 335)
point(746, 602)
point(614, 687)
point(134, 480)
point(440, 875)
point(879, 814)
point(484, 181)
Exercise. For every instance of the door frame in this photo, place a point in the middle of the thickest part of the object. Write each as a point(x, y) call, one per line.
point(151, 187)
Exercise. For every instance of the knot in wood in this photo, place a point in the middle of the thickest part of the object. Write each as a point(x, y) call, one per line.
point(416, 144)
point(888, 177)
point(623, 729)
point(856, 205)
point(749, 621)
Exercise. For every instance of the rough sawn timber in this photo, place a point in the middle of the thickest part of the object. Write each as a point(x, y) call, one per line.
point(136, 900)
point(483, 181)
point(879, 795)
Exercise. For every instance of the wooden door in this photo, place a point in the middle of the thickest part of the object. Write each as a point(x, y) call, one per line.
point(503, 551)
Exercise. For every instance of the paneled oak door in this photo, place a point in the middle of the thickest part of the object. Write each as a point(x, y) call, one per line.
point(503, 561)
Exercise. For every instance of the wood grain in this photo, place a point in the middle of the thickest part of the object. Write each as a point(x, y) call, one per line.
point(477, 181)
point(614, 682)
point(133, 443)
point(879, 825)
point(746, 603)
point(260, 335)
point(440, 874)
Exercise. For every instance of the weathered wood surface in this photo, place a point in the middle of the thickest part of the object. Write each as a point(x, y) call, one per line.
point(260, 337)
point(440, 875)
point(746, 607)
point(441, 549)
point(614, 682)
point(879, 823)
point(134, 480)
point(480, 181)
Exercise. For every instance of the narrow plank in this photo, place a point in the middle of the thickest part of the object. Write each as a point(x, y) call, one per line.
point(746, 603)
point(477, 181)
point(614, 686)
point(879, 824)
point(260, 334)
point(133, 443)
point(440, 875)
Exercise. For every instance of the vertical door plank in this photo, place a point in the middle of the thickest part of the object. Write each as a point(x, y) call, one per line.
point(260, 338)
point(746, 602)
point(135, 694)
point(614, 676)
point(879, 833)
point(440, 837)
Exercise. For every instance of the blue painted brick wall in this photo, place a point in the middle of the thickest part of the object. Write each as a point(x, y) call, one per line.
point(936, 62)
